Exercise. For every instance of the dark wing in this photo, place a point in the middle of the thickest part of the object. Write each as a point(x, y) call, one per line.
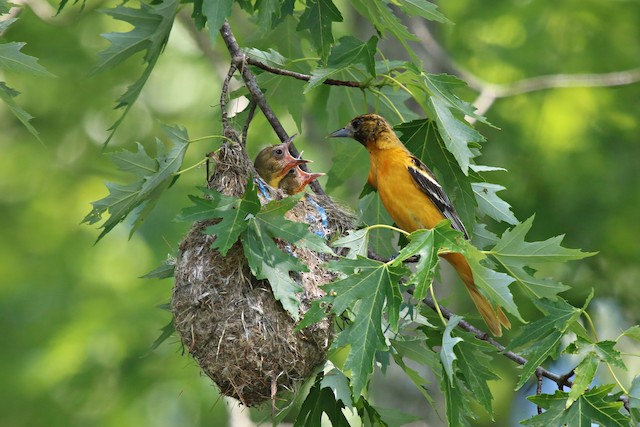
point(428, 184)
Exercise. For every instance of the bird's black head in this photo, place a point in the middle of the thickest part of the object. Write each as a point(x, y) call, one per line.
point(364, 129)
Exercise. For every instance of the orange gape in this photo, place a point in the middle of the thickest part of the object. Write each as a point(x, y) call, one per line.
point(414, 199)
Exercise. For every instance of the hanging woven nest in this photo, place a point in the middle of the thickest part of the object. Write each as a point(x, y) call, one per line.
point(228, 320)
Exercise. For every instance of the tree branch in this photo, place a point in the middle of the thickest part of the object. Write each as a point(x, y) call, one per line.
point(299, 76)
point(489, 92)
point(240, 61)
point(560, 380)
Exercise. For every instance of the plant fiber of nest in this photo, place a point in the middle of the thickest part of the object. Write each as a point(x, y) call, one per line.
point(228, 320)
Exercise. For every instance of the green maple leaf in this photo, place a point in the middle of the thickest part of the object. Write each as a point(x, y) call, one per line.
point(423, 9)
point(153, 176)
point(268, 261)
point(13, 60)
point(447, 355)
point(634, 399)
point(422, 243)
point(477, 368)
point(540, 339)
point(318, 17)
point(456, 402)
point(344, 55)
point(594, 406)
point(385, 22)
point(421, 137)
point(416, 350)
point(490, 204)
point(441, 87)
point(514, 253)
point(357, 241)
point(371, 211)
point(233, 213)
point(592, 354)
point(348, 162)
point(152, 26)
point(456, 133)
point(257, 227)
point(216, 12)
point(338, 382)
point(364, 291)
point(321, 400)
point(512, 249)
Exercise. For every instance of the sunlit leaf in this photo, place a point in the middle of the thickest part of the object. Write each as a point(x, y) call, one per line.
point(489, 203)
point(338, 382)
point(13, 60)
point(423, 9)
point(447, 354)
point(321, 400)
point(357, 241)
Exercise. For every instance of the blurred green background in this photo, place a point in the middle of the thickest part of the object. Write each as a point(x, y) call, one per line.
point(77, 321)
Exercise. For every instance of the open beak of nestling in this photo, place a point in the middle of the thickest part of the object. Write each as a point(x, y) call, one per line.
point(345, 132)
point(288, 161)
point(306, 177)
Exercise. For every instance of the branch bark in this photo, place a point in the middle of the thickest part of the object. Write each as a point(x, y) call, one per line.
point(240, 61)
point(560, 380)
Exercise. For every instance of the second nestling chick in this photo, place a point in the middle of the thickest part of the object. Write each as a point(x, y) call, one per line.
point(296, 180)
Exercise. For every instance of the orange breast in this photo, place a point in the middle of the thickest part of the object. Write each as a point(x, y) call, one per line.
point(407, 204)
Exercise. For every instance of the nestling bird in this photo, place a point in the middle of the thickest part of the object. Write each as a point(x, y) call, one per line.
point(296, 180)
point(274, 162)
point(414, 199)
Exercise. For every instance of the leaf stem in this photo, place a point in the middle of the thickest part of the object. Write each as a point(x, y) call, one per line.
point(200, 163)
point(389, 227)
point(437, 306)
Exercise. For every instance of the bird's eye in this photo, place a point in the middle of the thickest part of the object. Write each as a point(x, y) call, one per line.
point(279, 152)
point(356, 123)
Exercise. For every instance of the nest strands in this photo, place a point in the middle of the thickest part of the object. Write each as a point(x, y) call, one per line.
point(228, 320)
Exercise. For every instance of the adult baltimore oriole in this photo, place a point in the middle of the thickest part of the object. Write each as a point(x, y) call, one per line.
point(273, 163)
point(414, 199)
point(296, 179)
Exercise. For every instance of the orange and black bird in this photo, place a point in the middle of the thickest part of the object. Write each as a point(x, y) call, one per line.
point(414, 199)
point(274, 162)
point(296, 180)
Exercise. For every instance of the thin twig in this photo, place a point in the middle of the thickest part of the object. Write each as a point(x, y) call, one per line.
point(539, 390)
point(489, 92)
point(245, 128)
point(223, 95)
point(561, 380)
point(299, 76)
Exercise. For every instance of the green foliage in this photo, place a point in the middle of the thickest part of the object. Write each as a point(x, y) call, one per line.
point(595, 406)
point(257, 226)
point(428, 112)
point(13, 60)
point(152, 26)
point(153, 176)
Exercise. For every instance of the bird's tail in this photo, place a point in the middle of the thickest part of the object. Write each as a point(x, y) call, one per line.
point(494, 319)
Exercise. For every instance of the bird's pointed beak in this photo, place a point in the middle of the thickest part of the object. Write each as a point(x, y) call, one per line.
point(345, 132)
point(290, 162)
point(307, 177)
